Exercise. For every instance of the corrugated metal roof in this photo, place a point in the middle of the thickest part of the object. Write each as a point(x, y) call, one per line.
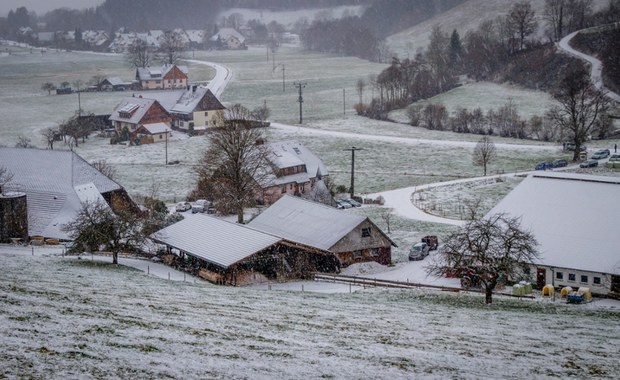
point(216, 241)
point(571, 216)
point(306, 222)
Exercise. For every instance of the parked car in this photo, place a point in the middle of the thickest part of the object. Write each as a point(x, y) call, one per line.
point(183, 206)
point(560, 163)
point(543, 166)
point(431, 241)
point(614, 161)
point(589, 163)
point(600, 154)
point(570, 146)
point(418, 251)
point(353, 202)
point(342, 204)
point(201, 205)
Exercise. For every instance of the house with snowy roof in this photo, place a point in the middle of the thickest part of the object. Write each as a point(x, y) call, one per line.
point(195, 109)
point(351, 237)
point(235, 254)
point(295, 170)
point(572, 217)
point(228, 38)
point(134, 115)
point(115, 84)
point(55, 183)
point(164, 77)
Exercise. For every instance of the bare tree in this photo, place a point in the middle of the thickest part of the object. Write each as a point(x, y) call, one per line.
point(50, 135)
point(172, 47)
point(97, 225)
point(78, 84)
point(359, 86)
point(104, 168)
point(235, 165)
point(486, 251)
point(261, 114)
point(554, 15)
point(484, 153)
point(49, 87)
point(6, 176)
point(23, 142)
point(521, 19)
point(139, 54)
point(580, 105)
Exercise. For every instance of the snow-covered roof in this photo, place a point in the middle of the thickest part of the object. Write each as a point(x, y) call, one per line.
point(186, 101)
point(226, 33)
point(135, 107)
point(157, 73)
point(116, 81)
point(290, 153)
point(55, 183)
point(572, 217)
point(155, 128)
point(216, 241)
point(306, 222)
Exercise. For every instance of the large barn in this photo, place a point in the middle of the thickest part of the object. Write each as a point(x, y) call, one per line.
point(572, 217)
point(235, 254)
point(352, 238)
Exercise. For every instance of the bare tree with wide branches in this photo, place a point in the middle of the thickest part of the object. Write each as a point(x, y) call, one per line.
point(96, 225)
point(235, 165)
point(484, 153)
point(139, 54)
point(172, 47)
point(522, 20)
point(486, 251)
point(580, 107)
point(50, 135)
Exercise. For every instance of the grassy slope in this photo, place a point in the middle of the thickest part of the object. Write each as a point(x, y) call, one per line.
point(67, 318)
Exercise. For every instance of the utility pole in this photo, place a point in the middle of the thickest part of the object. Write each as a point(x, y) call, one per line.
point(278, 65)
point(344, 104)
point(300, 86)
point(353, 149)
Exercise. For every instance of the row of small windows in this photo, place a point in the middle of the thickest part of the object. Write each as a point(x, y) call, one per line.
point(572, 277)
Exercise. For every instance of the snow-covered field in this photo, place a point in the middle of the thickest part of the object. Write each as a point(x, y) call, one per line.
point(68, 318)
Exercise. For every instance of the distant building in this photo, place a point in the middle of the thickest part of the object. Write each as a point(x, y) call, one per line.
point(164, 77)
point(228, 38)
point(133, 115)
point(295, 170)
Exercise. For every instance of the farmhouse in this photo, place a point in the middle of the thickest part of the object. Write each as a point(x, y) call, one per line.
point(295, 170)
point(571, 217)
point(133, 113)
point(352, 238)
point(228, 38)
point(194, 110)
point(55, 183)
point(165, 77)
point(235, 254)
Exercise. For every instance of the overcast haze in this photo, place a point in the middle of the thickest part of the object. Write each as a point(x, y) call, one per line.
point(43, 6)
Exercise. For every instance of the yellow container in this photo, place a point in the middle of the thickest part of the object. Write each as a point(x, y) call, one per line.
point(565, 291)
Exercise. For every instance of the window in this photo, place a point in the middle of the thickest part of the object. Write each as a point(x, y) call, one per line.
point(366, 232)
point(374, 252)
point(559, 276)
point(206, 113)
point(161, 137)
point(357, 254)
point(283, 189)
point(572, 277)
point(584, 279)
point(596, 280)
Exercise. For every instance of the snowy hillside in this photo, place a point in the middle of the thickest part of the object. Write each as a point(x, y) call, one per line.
point(67, 318)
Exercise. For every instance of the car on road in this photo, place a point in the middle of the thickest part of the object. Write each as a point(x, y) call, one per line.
point(182, 206)
point(614, 161)
point(201, 205)
point(543, 166)
point(353, 202)
point(342, 204)
point(418, 251)
point(560, 163)
point(431, 241)
point(600, 154)
point(589, 163)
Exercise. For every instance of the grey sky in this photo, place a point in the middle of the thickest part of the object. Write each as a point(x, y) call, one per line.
point(43, 6)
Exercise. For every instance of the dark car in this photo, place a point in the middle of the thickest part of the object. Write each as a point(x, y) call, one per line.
point(588, 164)
point(431, 241)
point(543, 166)
point(560, 163)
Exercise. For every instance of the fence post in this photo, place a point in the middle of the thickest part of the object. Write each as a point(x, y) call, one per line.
point(168, 275)
point(33, 251)
point(148, 269)
point(302, 287)
point(349, 287)
point(183, 277)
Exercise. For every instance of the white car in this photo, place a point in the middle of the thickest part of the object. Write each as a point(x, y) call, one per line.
point(201, 205)
point(418, 252)
point(182, 206)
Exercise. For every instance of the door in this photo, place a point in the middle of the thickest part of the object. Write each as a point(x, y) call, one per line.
point(541, 277)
